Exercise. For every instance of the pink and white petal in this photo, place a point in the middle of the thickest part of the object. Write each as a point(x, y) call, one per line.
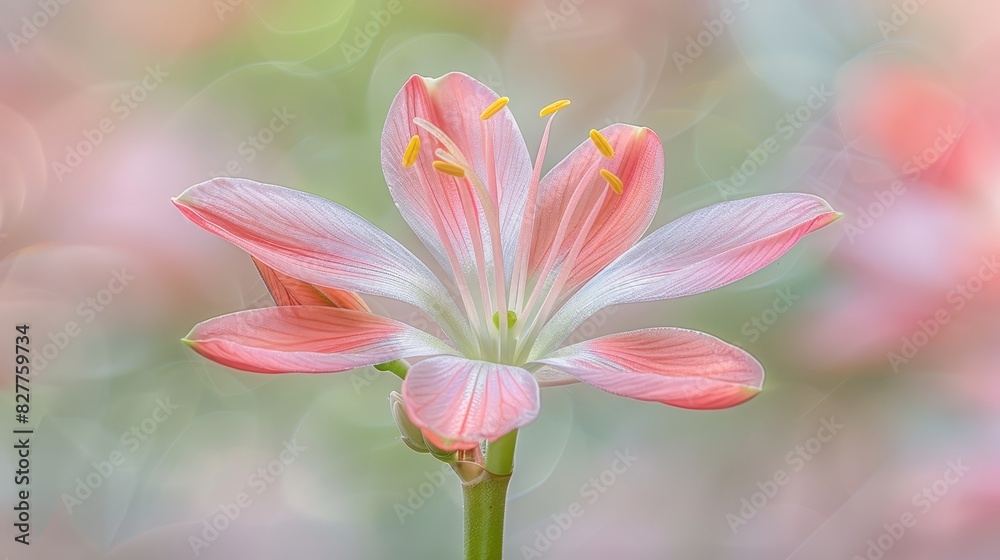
point(638, 162)
point(428, 200)
point(291, 291)
point(700, 251)
point(552, 377)
point(308, 339)
point(319, 242)
point(678, 367)
point(461, 401)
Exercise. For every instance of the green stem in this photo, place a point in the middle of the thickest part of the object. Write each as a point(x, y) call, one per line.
point(500, 455)
point(485, 500)
point(485, 496)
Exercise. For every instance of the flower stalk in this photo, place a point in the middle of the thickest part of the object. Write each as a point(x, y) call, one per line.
point(485, 499)
point(484, 480)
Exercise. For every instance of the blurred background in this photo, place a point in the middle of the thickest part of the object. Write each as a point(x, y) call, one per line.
point(877, 434)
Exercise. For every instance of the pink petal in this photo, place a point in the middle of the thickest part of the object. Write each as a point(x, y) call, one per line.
point(318, 242)
point(462, 402)
point(291, 291)
point(678, 367)
point(698, 252)
point(428, 200)
point(308, 339)
point(638, 162)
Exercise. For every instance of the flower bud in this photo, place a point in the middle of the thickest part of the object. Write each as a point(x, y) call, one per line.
point(409, 433)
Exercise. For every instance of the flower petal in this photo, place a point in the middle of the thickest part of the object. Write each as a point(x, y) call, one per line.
point(465, 401)
point(308, 339)
point(552, 377)
point(638, 162)
point(678, 367)
point(698, 252)
point(291, 291)
point(318, 242)
point(428, 200)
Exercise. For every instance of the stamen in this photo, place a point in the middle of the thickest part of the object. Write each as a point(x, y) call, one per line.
point(450, 169)
point(412, 149)
point(561, 231)
point(494, 108)
point(613, 181)
point(456, 164)
point(511, 319)
point(530, 332)
point(444, 155)
point(518, 278)
point(553, 107)
point(437, 133)
point(602, 143)
point(471, 309)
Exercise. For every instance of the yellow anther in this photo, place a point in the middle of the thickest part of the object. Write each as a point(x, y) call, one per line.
point(412, 149)
point(553, 107)
point(494, 108)
point(448, 168)
point(613, 181)
point(511, 319)
point(602, 144)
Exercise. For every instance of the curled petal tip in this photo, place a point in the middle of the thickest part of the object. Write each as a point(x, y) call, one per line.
point(185, 198)
point(749, 392)
point(826, 219)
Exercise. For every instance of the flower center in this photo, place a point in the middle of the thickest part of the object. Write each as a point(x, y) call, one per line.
point(505, 338)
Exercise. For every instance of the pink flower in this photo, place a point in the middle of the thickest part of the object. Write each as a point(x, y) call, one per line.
point(530, 257)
